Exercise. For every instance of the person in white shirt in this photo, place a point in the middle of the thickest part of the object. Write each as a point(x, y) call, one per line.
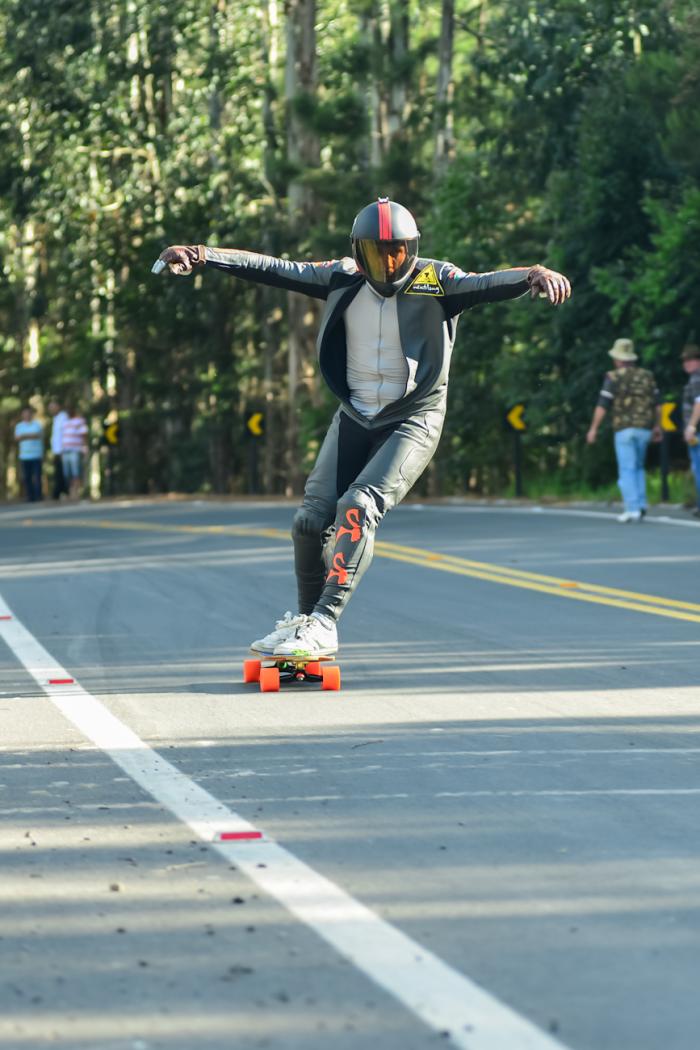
point(59, 416)
point(29, 435)
point(73, 450)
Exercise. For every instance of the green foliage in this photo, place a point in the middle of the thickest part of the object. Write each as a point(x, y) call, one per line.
point(125, 127)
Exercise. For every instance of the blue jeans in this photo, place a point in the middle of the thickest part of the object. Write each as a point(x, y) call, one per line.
point(631, 449)
point(31, 475)
point(694, 456)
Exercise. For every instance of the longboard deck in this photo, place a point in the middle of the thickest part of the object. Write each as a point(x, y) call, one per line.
point(280, 657)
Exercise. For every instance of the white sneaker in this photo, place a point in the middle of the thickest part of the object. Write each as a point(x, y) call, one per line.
point(283, 628)
point(313, 638)
point(630, 515)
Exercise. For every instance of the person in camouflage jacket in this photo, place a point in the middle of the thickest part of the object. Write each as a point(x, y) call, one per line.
point(632, 396)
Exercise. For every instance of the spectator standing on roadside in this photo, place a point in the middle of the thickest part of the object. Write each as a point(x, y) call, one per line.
point(29, 435)
point(73, 450)
point(59, 416)
point(690, 356)
point(632, 395)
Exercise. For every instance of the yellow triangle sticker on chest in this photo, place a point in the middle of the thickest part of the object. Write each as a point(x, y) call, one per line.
point(425, 283)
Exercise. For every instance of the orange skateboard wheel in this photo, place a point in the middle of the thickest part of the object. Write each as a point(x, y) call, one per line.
point(269, 680)
point(313, 668)
point(330, 677)
point(251, 670)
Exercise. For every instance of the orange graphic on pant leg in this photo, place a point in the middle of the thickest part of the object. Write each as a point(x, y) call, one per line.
point(338, 570)
point(352, 517)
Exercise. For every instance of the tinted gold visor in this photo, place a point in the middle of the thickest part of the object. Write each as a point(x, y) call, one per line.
point(386, 261)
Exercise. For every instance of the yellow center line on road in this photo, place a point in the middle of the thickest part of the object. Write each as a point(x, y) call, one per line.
point(555, 583)
point(576, 590)
point(581, 592)
point(145, 526)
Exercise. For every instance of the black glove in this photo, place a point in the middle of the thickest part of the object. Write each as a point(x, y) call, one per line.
point(183, 258)
point(548, 283)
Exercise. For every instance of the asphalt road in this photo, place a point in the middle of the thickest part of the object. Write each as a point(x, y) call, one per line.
point(505, 792)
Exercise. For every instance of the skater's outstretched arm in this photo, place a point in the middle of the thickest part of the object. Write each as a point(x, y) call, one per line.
point(309, 278)
point(463, 290)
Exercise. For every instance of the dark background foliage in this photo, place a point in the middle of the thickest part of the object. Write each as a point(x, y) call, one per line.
point(564, 132)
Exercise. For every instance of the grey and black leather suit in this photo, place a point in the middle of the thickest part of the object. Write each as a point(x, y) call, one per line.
point(367, 465)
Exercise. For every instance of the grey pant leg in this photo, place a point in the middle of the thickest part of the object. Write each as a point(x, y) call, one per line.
point(399, 458)
point(312, 530)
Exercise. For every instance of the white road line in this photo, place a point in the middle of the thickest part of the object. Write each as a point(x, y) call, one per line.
point(442, 998)
point(495, 753)
point(564, 793)
point(651, 519)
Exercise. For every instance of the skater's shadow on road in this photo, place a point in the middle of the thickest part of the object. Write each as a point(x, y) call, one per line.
point(248, 689)
point(214, 688)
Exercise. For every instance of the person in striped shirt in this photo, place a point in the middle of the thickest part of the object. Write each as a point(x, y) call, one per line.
point(73, 450)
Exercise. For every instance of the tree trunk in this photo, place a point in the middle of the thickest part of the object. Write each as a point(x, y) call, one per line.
point(396, 21)
point(303, 155)
point(444, 92)
point(270, 311)
point(373, 29)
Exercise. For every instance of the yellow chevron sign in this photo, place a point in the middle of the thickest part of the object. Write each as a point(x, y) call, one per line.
point(111, 433)
point(515, 417)
point(667, 408)
point(256, 424)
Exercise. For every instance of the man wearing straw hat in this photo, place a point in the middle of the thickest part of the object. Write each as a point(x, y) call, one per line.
point(690, 356)
point(631, 394)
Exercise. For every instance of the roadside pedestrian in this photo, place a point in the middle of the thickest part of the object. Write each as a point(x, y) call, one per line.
point(384, 347)
point(633, 396)
point(59, 417)
point(690, 356)
point(74, 450)
point(29, 435)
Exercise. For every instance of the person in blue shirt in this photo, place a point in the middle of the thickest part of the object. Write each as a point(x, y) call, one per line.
point(29, 435)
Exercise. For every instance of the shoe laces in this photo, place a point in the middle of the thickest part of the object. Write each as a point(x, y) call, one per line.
point(312, 626)
point(309, 625)
point(290, 620)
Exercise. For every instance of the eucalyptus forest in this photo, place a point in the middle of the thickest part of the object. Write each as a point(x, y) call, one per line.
point(565, 133)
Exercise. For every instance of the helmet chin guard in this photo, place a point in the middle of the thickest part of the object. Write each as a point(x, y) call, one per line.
point(385, 244)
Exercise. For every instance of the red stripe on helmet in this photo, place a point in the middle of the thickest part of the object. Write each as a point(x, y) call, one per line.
point(384, 219)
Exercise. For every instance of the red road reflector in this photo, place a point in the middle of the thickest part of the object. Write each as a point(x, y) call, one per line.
point(61, 681)
point(238, 836)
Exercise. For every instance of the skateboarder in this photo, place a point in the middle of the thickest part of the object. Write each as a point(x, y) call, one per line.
point(384, 346)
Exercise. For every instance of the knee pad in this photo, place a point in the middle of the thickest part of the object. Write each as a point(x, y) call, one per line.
point(309, 523)
point(357, 510)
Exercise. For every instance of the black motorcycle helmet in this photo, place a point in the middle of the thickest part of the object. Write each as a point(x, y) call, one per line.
point(385, 244)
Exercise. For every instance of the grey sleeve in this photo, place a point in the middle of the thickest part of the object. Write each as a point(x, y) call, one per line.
point(464, 290)
point(309, 278)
